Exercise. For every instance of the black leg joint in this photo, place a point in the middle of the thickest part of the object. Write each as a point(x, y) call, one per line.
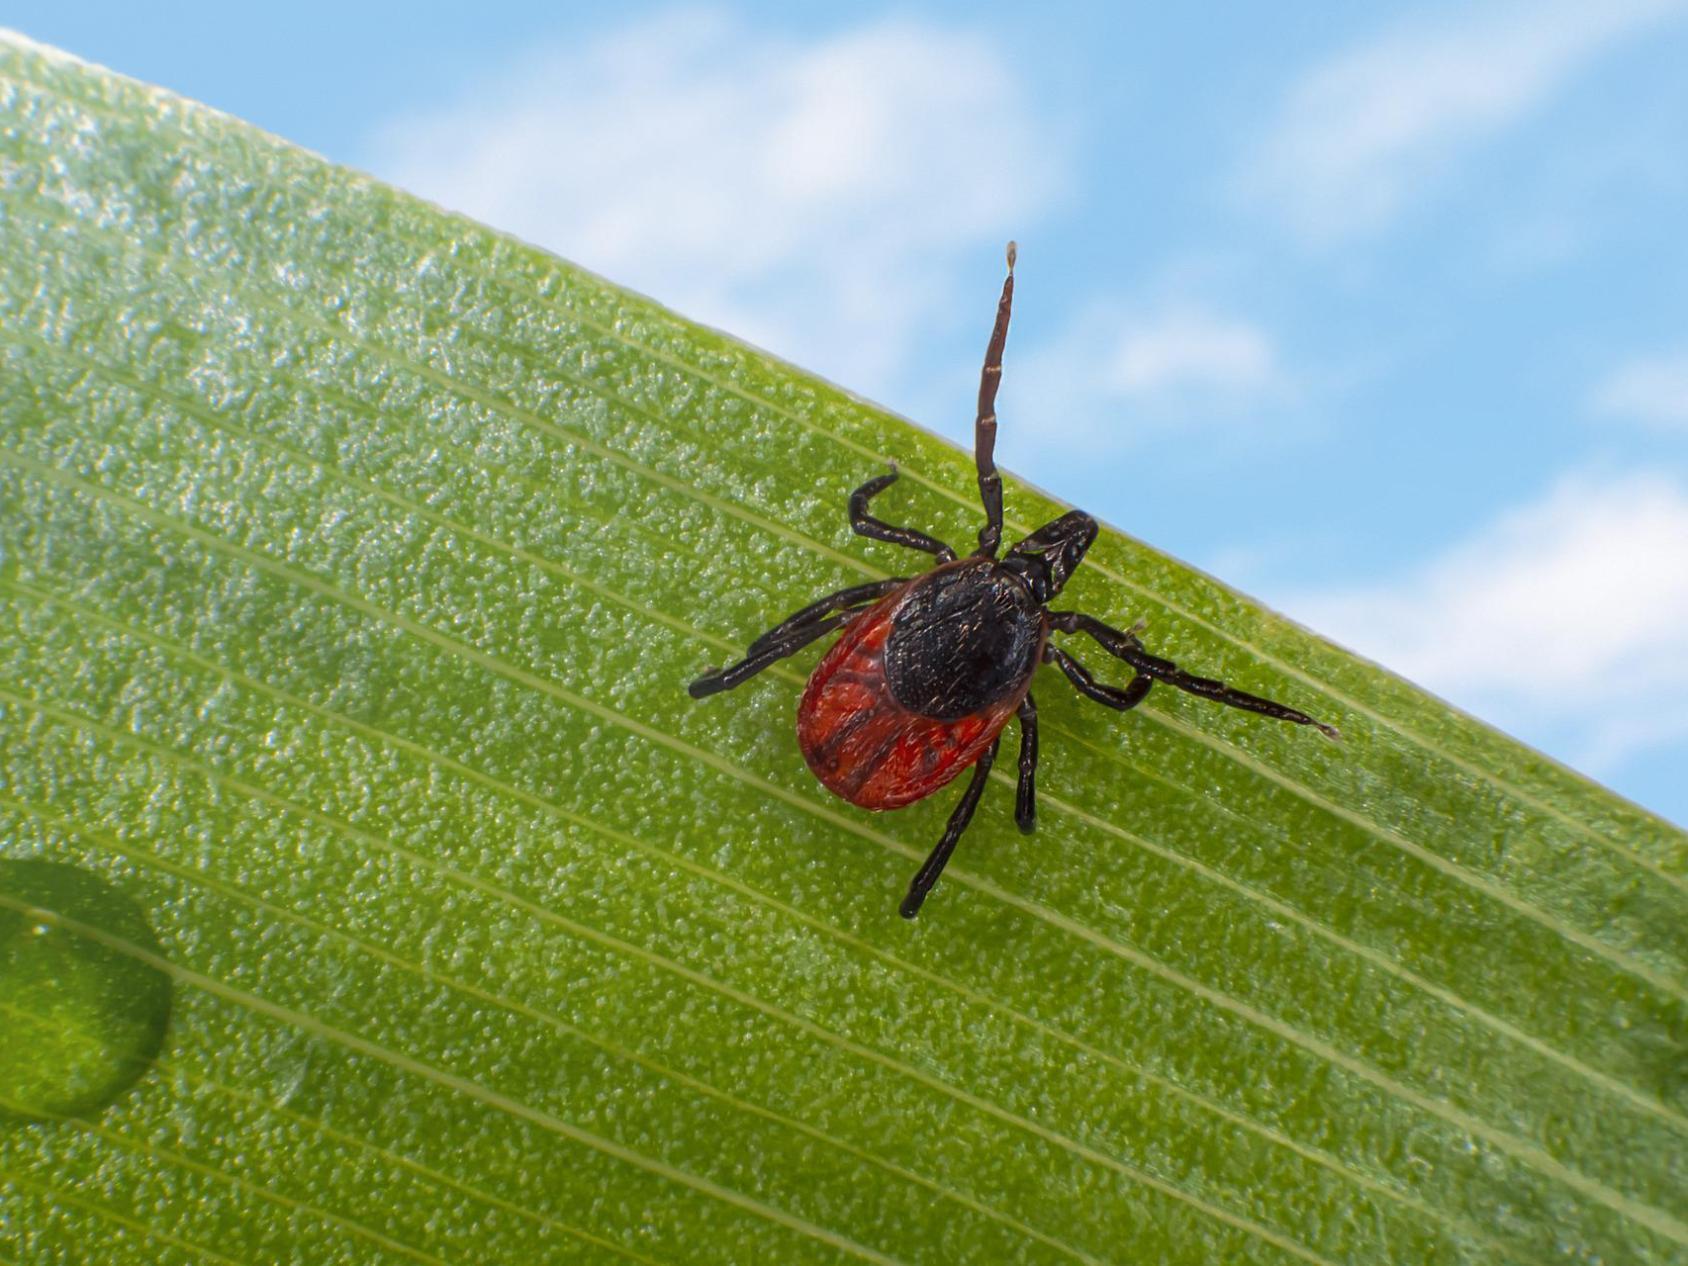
point(1120, 699)
point(1125, 646)
point(864, 524)
point(853, 596)
point(793, 640)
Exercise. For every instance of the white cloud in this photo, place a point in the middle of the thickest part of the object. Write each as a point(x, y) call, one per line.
point(815, 198)
point(1565, 621)
point(1359, 135)
point(1190, 349)
point(1651, 390)
point(1176, 364)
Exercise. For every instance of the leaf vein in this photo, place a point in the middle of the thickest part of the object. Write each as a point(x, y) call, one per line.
point(1520, 1148)
point(439, 760)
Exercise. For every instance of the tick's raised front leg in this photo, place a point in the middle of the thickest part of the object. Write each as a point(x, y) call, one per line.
point(984, 422)
point(1125, 646)
point(928, 873)
point(866, 525)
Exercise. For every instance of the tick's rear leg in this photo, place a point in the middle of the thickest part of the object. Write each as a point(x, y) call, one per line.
point(928, 873)
point(1025, 795)
point(866, 525)
point(1125, 646)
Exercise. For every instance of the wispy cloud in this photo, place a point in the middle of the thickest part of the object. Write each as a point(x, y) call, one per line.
point(1651, 390)
point(1359, 136)
point(1190, 350)
point(815, 197)
point(1566, 620)
point(1179, 364)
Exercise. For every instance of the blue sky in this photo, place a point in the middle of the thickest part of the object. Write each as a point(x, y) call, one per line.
point(1377, 312)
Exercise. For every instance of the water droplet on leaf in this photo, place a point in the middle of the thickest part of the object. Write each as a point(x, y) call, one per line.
point(83, 1016)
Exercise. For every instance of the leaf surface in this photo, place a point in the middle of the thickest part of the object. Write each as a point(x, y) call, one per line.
point(353, 561)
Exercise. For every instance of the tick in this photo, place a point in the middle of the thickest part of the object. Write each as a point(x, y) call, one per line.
point(930, 669)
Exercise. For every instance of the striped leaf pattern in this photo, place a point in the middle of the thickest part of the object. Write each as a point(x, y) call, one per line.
point(353, 560)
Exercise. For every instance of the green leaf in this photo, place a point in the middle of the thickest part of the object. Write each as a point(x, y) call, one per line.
point(353, 561)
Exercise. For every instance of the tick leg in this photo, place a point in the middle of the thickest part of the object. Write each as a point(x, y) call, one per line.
point(1025, 796)
point(928, 874)
point(789, 643)
point(866, 525)
point(984, 425)
point(1125, 646)
point(851, 597)
point(1113, 696)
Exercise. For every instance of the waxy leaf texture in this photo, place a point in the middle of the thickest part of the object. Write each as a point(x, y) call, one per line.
point(354, 559)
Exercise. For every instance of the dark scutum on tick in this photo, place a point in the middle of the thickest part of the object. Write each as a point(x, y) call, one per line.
point(929, 671)
point(968, 635)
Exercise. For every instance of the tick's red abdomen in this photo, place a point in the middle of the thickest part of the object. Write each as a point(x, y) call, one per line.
point(865, 746)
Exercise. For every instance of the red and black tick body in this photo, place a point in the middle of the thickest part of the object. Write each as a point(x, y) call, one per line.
point(929, 670)
point(920, 684)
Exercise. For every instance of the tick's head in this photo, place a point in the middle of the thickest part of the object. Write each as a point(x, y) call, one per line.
point(1049, 555)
